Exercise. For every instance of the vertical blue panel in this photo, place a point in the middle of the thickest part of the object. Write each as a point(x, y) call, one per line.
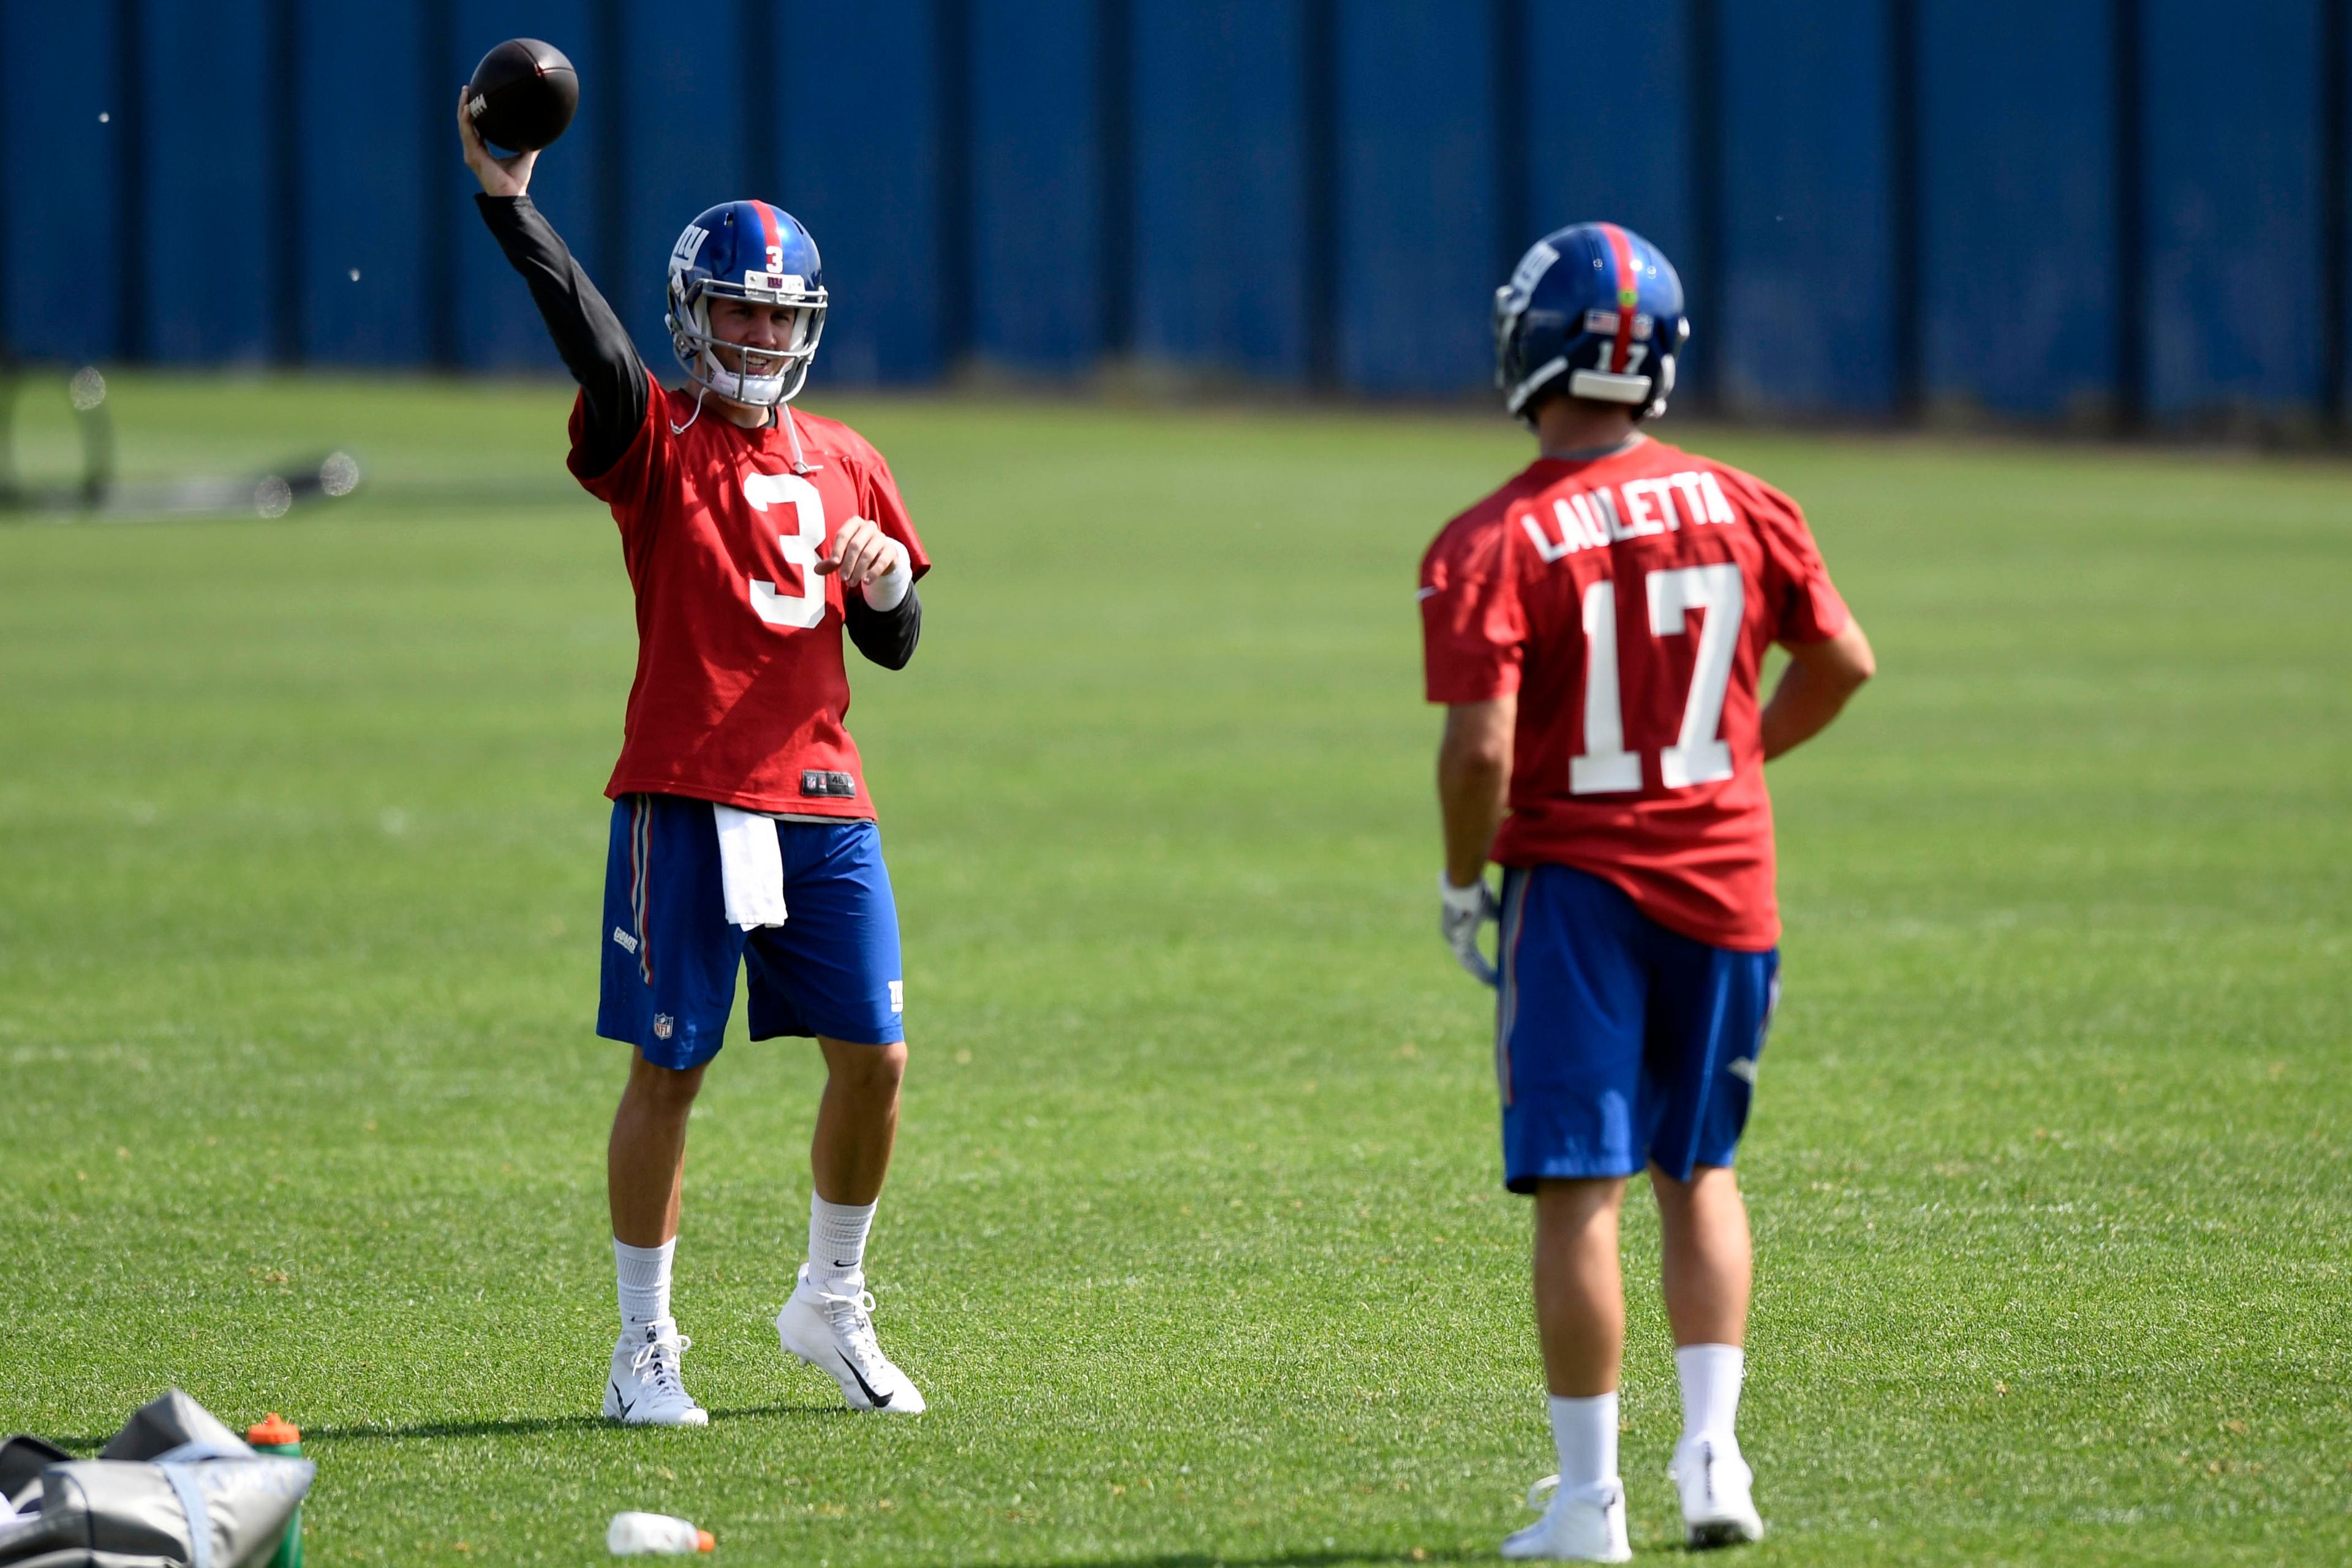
point(1608, 128)
point(365, 183)
point(2233, 205)
point(1417, 220)
point(861, 170)
point(497, 327)
point(1808, 281)
point(1221, 185)
point(57, 77)
point(684, 147)
point(1608, 91)
point(209, 124)
point(1036, 198)
point(2017, 160)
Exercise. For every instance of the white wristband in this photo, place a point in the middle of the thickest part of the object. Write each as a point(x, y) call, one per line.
point(1469, 900)
point(883, 593)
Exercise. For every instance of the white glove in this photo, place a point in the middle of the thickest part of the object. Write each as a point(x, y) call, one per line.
point(1463, 911)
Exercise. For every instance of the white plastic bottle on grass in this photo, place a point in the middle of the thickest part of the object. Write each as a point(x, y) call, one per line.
point(655, 1535)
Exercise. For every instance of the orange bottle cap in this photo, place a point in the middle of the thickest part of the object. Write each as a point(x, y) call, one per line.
point(273, 1429)
point(705, 1541)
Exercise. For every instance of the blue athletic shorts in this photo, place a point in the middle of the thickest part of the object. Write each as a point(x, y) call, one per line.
point(1619, 1043)
point(670, 953)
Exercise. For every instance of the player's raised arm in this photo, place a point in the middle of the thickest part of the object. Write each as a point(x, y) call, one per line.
point(595, 347)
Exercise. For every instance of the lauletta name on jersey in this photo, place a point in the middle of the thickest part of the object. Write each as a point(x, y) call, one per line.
point(1625, 602)
point(1594, 519)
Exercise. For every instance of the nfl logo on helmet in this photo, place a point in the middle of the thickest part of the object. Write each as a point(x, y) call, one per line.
point(1598, 305)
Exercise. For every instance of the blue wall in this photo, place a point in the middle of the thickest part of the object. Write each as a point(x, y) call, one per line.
point(861, 168)
point(1418, 165)
point(1220, 180)
point(361, 247)
point(58, 164)
point(2018, 257)
point(212, 195)
point(1878, 204)
point(1036, 183)
point(2235, 262)
point(1807, 280)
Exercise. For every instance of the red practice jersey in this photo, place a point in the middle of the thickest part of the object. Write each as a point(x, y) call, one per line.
point(1629, 600)
point(740, 692)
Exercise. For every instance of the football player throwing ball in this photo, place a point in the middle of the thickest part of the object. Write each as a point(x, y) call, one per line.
point(742, 833)
point(1596, 630)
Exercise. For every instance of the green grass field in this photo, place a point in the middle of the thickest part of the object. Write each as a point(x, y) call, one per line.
point(1195, 1240)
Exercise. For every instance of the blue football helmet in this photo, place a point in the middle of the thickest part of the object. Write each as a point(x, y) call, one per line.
point(746, 250)
point(1599, 305)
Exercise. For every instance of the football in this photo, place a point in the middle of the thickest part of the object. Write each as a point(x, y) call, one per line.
point(522, 94)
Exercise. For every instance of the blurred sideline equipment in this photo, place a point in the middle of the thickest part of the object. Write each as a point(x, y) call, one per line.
point(87, 392)
point(523, 95)
point(273, 1434)
point(655, 1535)
point(100, 493)
point(175, 1489)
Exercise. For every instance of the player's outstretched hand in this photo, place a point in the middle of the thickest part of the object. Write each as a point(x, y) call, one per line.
point(861, 553)
point(1461, 911)
point(499, 177)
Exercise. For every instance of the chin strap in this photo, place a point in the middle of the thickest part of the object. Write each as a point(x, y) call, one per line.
point(800, 465)
point(701, 392)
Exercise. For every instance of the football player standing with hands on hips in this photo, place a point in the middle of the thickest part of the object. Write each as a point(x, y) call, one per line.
point(742, 832)
point(1596, 630)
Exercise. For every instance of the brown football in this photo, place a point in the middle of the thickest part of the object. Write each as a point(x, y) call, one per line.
point(522, 94)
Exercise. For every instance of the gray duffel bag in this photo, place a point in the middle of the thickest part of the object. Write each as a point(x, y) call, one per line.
point(175, 1489)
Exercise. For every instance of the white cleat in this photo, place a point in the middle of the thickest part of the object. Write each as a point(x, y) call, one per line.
point(1719, 1507)
point(644, 1390)
point(1585, 1526)
point(835, 1335)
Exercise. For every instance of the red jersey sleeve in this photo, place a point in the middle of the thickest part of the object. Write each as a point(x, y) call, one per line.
point(1806, 606)
point(1472, 630)
point(642, 472)
point(879, 498)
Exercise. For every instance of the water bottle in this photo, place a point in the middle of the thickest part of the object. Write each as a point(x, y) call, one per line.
point(655, 1535)
point(275, 1434)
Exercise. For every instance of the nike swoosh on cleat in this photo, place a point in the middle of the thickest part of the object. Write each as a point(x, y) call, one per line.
point(879, 1400)
point(626, 1405)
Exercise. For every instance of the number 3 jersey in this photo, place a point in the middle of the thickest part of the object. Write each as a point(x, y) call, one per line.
point(1628, 601)
point(741, 695)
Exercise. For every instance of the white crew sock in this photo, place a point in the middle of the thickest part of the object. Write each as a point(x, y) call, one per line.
point(1585, 1433)
point(1710, 1377)
point(836, 1253)
point(644, 1282)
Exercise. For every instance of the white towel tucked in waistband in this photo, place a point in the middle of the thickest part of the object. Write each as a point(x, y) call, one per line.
point(750, 867)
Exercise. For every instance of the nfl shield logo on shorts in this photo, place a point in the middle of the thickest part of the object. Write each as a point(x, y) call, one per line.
point(662, 1026)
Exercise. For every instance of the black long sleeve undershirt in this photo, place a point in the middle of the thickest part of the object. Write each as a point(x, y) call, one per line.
point(888, 637)
point(597, 350)
point(595, 347)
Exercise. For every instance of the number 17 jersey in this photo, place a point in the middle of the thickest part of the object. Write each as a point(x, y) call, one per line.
point(1628, 601)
